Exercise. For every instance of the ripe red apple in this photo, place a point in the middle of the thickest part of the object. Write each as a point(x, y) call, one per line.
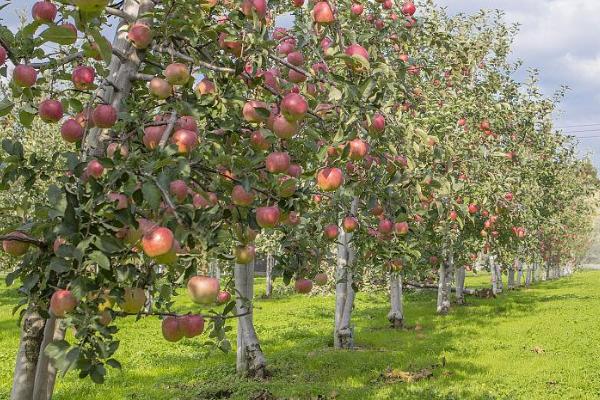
point(453, 215)
point(250, 113)
point(177, 74)
point(321, 279)
point(44, 11)
point(104, 116)
point(294, 106)
point(205, 86)
point(283, 128)
point(119, 198)
point(330, 179)
point(401, 228)
point(14, 247)
point(359, 53)
point(94, 169)
point(357, 9)
point(203, 289)
point(50, 110)
point(241, 197)
point(223, 297)
point(277, 162)
point(185, 140)
point(24, 75)
point(158, 242)
point(191, 325)
point(295, 58)
point(3, 55)
point(358, 149)
point(171, 329)
point(258, 141)
point(140, 35)
point(462, 122)
point(387, 5)
point(244, 254)
point(298, 3)
point(385, 226)
point(303, 286)
point(508, 196)
point(254, 6)
point(160, 88)
point(322, 13)
point(232, 46)
point(62, 303)
point(295, 76)
point(350, 224)
point(83, 77)
point(90, 5)
point(408, 8)
point(178, 189)
point(331, 232)
point(294, 170)
point(152, 136)
point(377, 124)
point(484, 125)
point(473, 208)
point(206, 200)
point(268, 217)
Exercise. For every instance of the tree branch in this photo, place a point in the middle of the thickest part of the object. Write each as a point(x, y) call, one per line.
point(115, 12)
point(17, 238)
point(167, 132)
point(168, 314)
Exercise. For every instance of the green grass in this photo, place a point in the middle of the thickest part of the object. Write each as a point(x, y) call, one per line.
point(487, 346)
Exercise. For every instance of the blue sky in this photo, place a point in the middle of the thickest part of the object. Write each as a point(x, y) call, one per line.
point(561, 38)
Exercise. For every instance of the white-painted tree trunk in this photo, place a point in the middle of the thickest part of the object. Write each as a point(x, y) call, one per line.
point(494, 274)
point(396, 314)
point(45, 376)
point(250, 359)
point(444, 284)
point(343, 337)
point(32, 335)
point(519, 274)
point(529, 276)
point(510, 284)
point(499, 282)
point(460, 284)
point(270, 266)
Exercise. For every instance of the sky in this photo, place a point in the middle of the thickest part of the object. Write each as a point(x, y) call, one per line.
point(561, 38)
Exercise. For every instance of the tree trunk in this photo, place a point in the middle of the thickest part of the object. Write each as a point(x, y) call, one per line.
point(499, 281)
point(519, 274)
point(343, 337)
point(32, 334)
point(494, 274)
point(511, 277)
point(444, 284)
point(460, 285)
point(529, 276)
point(250, 359)
point(270, 265)
point(396, 314)
point(45, 375)
point(547, 266)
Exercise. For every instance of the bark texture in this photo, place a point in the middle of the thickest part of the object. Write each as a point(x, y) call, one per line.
point(270, 266)
point(32, 335)
point(343, 337)
point(444, 284)
point(519, 281)
point(250, 359)
point(396, 314)
point(45, 376)
point(460, 285)
point(529, 275)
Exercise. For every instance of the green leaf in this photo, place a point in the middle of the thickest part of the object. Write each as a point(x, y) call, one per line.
point(152, 194)
point(59, 34)
point(108, 244)
point(100, 259)
point(59, 265)
point(104, 46)
point(5, 106)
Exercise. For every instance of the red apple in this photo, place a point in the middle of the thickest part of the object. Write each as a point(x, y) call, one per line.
point(241, 197)
point(171, 329)
point(178, 189)
point(408, 8)
point(277, 162)
point(356, 9)
point(303, 286)
point(401, 228)
point(94, 169)
point(385, 226)
point(294, 106)
point(160, 88)
point(44, 11)
point(205, 86)
point(358, 149)
point(267, 217)
point(3, 55)
point(508, 196)
point(283, 128)
point(330, 179)
point(258, 7)
point(453, 215)
point(83, 77)
point(377, 124)
point(177, 74)
point(120, 199)
point(350, 224)
point(294, 170)
point(112, 148)
point(191, 325)
point(321, 279)
point(223, 297)
point(250, 113)
point(104, 116)
point(322, 13)
point(140, 35)
point(50, 110)
point(185, 140)
point(331, 232)
point(295, 58)
point(24, 75)
point(152, 136)
point(62, 303)
point(258, 141)
point(473, 208)
point(158, 242)
point(203, 289)
point(359, 53)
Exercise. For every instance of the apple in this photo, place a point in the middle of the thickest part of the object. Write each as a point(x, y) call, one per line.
point(95, 169)
point(24, 75)
point(206, 200)
point(387, 5)
point(295, 76)
point(50, 110)
point(232, 46)
point(223, 297)
point(294, 170)
point(205, 86)
point(331, 232)
point(350, 224)
point(377, 124)
point(83, 77)
point(244, 254)
point(258, 141)
point(433, 260)
point(330, 179)
point(185, 140)
point(241, 197)
point(177, 74)
point(104, 116)
point(462, 122)
point(358, 53)
point(250, 113)
point(44, 11)
point(303, 286)
point(3, 55)
point(298, 3)
point(484, 125)
point(203, 289)
point(401, 228)
point(453, 215)
point(160, 88)
point(258, 7)
point(171, 329)
point(178, 189)
point(358, 149)
point(152, 136)
point(321, 279)
point(294, 106)
point(14, 247)
point(158, 242)
point(508, 196)
point(62, 302)
point(119, 198)
point(326, 44)
point(357, 9)
point(191, 325)
point(59, 241)
point(91, 5)
point(277, 162)
point(322, 13)
point(283, 128)
point(140, 35)
point(268, 217)
point(385, 226)
point(295, 58)
point(408, 8)
point(473, 208)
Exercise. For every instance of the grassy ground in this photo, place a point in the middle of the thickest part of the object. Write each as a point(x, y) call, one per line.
point(538, 343)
